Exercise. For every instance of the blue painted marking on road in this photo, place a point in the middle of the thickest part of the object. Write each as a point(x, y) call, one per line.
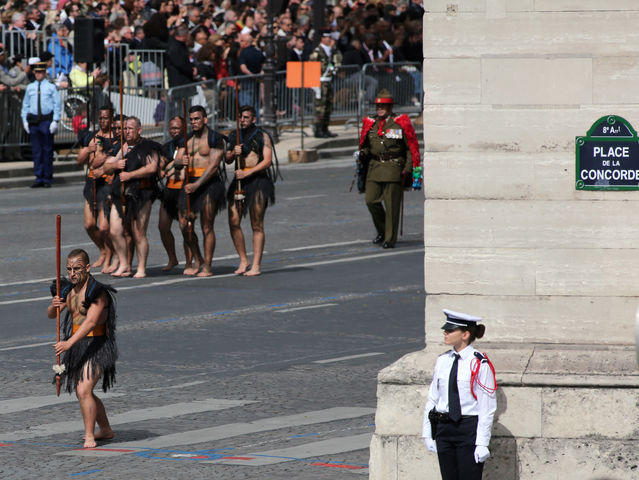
point(279, 305)
point(86, 472)
point(168, 320)
point(46, 336)
point(304, 435)
point(225, 312)
point(329, 298)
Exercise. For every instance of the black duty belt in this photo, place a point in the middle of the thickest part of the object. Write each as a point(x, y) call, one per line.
point(440, 417)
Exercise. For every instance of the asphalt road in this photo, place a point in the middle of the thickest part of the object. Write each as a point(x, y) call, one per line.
point(226, 377)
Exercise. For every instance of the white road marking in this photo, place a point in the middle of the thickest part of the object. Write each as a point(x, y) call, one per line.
point(63, 247)
point(182, 385)
point(303, 197)
point(325, 245)
point(350, 357)
point(32, 345)
point(322, 305)
point(151, 413)
point(331, 446)
point(27, 403)
point(285, 267)
point(211, 434)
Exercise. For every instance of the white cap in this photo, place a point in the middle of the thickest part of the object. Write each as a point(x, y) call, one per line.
point(33, 60)
point(456, 320)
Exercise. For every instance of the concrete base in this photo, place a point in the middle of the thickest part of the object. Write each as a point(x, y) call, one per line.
point(563, 412)
point(302, 156)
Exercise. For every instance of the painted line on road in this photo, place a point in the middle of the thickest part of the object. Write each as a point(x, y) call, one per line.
point(86, 472)
point(303, 197)
point(73, 245)
point(331, 446)
point(27, 403)
point(31, 345)
point(350, 357)
point(306, 308)
point(325, 245)
point(144, 414)
point(227, 275)
point(182, 385)
point(211, 434)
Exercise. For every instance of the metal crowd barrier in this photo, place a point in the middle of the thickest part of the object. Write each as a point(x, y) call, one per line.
point(403, 80)
point(200, 93)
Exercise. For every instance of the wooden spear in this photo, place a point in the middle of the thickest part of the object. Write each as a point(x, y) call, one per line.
point(122, 191)
point(58, 222)
point(187, 167)
point(238, 195)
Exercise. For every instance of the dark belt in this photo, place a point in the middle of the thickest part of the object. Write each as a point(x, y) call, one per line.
point(443, 417)
point(33, 119)
point(398, 161)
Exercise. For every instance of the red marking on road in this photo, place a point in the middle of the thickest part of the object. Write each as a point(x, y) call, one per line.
point(98, 449)
point(237, 458)
point(337, 465)
point(198, 457)
point(6, 444)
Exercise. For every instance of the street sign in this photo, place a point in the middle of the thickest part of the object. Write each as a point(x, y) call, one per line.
point(607, 158)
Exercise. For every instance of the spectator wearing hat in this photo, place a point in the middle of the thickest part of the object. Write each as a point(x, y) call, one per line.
point(461, 405)
point(389, 150)
point(41, 108)
point(330, 59)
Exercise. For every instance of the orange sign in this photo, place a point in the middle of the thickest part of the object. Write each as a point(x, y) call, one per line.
point(311, 71)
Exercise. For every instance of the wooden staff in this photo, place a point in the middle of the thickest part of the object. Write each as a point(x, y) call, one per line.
point(122, 190)
point(189, 220)
point(238, 195)
point(58, 221)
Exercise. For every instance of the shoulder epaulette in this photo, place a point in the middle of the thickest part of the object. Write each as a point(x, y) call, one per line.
point(480, 356)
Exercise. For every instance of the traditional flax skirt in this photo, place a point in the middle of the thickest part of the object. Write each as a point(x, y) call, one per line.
point(136, 198)
point(258, 189)
point(102, 194)
point(95, 354)
point(170, 198)
point(212, 193)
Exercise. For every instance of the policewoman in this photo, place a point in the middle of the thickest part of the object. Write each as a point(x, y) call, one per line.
point(458, 416)
point(41, 108)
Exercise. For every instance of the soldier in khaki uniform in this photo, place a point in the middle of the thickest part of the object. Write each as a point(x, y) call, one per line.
point(389, 150)
point(330, 58)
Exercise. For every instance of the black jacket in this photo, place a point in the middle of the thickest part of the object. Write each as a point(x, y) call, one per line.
point(178, 66)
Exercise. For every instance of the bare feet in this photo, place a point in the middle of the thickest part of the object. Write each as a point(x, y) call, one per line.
point(192, 270)
point(242, 268)
point(253, 272)
point(111, 268)
point(169, 266)
point(206, 271)
point(122, 272)
point(89, 442)
point(99, 261)
point(104, 434)
point(139, 274)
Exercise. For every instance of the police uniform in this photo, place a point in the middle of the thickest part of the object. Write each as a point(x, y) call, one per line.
point(390, 150)
point(41, 109)
point(329, 59)
point(461, 405)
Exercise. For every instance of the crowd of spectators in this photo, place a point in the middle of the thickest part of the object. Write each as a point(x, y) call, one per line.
point(210, 39)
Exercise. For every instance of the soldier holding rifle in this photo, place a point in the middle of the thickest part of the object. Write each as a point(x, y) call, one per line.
point(388, 152)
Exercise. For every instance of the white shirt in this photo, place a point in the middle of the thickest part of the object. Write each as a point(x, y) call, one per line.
point(485, 405)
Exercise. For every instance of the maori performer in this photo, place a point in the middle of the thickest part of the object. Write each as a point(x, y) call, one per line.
point(137, 163)
point(389, 151)
point(204, 192)
point(174, 174)
point(97, 146)
point(255, 151)
point(88, 350)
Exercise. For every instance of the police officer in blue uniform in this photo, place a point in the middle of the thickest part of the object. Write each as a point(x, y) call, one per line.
point(40, 114)
point(461, 404)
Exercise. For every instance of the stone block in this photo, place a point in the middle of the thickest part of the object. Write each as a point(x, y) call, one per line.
point(415, 462)
point(461, 128)
point(519, 412)
point(531, 224)
point(452, 81)
point(585, 459)
point(535, 81)
point(546, 319)
point(614, 79)
point(584, 5)
point(595, 412)
point(530, 33)
point(383, 458)
point(400, 409)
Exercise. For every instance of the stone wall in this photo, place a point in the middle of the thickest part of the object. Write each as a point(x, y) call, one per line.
point(509, 84)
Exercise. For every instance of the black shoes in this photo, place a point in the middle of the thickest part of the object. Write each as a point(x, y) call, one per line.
point(46, 185)
point(320, 134)
point(37, 185)
point(329, 134)
point(388, 245)
point(378, 239)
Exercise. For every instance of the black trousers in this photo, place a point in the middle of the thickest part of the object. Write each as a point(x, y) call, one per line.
point(456, 450)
